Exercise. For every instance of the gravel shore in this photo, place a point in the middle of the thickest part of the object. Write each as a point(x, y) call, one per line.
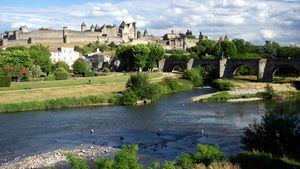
point(57, 159)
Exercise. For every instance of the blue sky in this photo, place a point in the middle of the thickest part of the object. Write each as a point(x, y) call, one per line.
point(253, 20)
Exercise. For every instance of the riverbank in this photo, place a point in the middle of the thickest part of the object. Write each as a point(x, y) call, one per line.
point(105, 94)
point(57, 159)
point(248, 91)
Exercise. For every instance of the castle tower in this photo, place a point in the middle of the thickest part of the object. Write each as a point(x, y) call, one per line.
point(135, 29)
point(83, 27)
point(92, 28)
point(139, 34)
point(145, 33)
point(200, 36)
point(23, 29)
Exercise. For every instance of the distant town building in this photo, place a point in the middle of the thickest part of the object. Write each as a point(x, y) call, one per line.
point(66, 54)
point(98, 60)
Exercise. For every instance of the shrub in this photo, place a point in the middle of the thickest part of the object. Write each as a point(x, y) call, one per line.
point(80, 66)
point(194, 75)
point(128, 97)
point(36, 71)
point(269, 93)
point(76, 162)
point(61, 74)
point(277, 133)
point(5, 81)
point(50, 77)
point(62, 64)
point(140, 84)
point(185, 161)
point(124, 159)
point(208, 154)
point(223, 85)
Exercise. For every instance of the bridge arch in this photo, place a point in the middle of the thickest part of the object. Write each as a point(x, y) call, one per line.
point(292, 67)
point(231, 71)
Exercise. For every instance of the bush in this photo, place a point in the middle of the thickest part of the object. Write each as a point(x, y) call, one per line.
point(208, 155)
point(140, 84)
point(76, 162)
point(61, 74)
point(194, 75)
point(277, 133)
point(5, 81)
point(223, 85)
point(62, 64)
point(297, 84)
point(269, 93)
point(89, 74)
point(50, 77)
point(124, 159)
point(106, 70)
point(128, 97)
point(80, 66)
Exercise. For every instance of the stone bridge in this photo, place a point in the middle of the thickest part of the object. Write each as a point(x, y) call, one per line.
point(227, 68)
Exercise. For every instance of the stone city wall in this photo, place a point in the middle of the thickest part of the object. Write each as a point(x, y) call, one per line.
point(41, 34)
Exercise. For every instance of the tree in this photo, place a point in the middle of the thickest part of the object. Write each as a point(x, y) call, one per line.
point(270, 49)
point(41, 56)
point(36, 71)
point(228, 48)
point(157, 53)
point(124, 53)
point(62, 64)
point(243, 46)
point(289, 52)
point(140, 54)
point(80, 66)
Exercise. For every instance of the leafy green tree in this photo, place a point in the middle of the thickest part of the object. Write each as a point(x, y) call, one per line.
point(15, 57)
point(270, 49)
point(140, 54)
point(80, 66)
point(289, 52)
point(277, 133)
point(124, 53)
point(157, 53)
point(62, 64)
point(204, 47)
point(36, 71)
point(40, 55)
point(243, 46)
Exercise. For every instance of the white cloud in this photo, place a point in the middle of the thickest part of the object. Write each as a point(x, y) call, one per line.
point(268, 34)
point(256, 20)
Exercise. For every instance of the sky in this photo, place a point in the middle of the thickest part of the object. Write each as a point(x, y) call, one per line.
point(253, 20)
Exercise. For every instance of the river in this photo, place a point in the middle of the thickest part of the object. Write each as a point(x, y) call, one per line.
point(163, 129)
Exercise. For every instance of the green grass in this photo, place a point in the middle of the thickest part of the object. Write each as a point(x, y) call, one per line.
point(224, 96)
point(59, 103)
point(76, 81)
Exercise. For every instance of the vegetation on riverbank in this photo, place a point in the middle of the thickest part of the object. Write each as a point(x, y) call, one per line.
point(225, 96)
point(152, 88)
point(138, 87)
point(271, 143)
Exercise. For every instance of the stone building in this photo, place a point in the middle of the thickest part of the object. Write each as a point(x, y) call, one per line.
point(107, 33)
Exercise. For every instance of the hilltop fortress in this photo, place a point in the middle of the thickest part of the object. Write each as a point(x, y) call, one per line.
point(125, 33)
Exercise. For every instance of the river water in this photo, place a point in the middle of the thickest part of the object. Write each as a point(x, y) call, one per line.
point(162, 130)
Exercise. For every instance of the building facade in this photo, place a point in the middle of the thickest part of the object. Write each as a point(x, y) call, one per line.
point(66, 54)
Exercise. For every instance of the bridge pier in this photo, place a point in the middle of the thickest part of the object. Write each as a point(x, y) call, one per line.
point(161, 65)
point(189, 64)
point(222, 67)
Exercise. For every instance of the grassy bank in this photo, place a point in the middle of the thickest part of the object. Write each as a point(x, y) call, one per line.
point(225, 96)
point(106, 97)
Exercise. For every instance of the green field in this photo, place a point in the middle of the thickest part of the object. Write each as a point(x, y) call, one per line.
point(20, 92)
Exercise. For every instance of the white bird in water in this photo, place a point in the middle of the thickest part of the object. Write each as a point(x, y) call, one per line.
point(92, 131)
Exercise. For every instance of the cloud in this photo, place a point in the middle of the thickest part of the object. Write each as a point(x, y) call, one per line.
point(255, 20)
